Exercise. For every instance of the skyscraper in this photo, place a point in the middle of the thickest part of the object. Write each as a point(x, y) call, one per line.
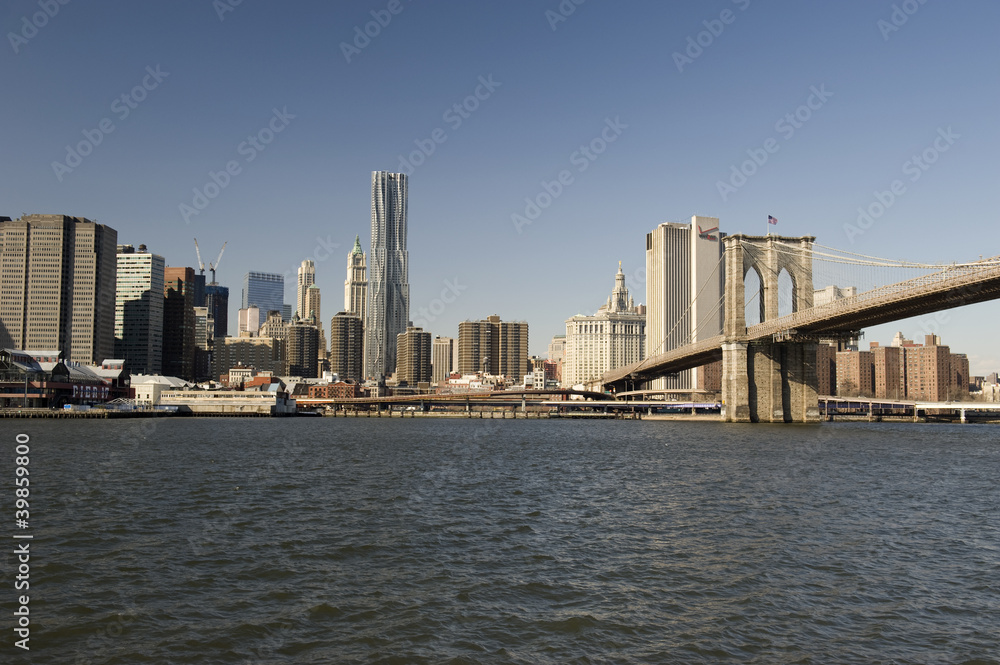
point(306, 278)
point(356, 284)
point(217, 301)
point(198, 289)
point(388, 310)
point(139, 309)
point(685, 278)
point(178, 323)
point(203, 340)
point(442, 353)
point(479, 346)
point(413, 356)
point(493, 347)
point(301, 349)
point(314, 315)
point(312, 303)
point(347, 346)
point(266, 291)
point(57, 275)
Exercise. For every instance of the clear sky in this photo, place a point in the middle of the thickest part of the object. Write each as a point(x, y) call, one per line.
point(670, 116)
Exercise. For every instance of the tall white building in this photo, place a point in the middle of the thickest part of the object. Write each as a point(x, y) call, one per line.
point(249, 321)
point(442, 356)
point(388, 309)
point(306, 278)
point(139, 309)
point(685, 279)
point(613, 337)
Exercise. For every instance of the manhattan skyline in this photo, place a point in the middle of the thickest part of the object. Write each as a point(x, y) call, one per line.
point(607, 119)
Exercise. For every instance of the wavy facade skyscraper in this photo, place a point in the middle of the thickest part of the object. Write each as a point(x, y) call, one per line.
point(388, 308)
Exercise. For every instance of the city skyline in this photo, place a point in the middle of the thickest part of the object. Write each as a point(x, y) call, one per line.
point(867, 136)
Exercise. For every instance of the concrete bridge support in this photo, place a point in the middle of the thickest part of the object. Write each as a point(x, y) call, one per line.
point(770, 382)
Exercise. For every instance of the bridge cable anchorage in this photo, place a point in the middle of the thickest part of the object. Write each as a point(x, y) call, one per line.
point(682, 317)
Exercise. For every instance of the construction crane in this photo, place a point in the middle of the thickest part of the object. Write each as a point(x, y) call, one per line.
point(213, 266)
point(201, 264)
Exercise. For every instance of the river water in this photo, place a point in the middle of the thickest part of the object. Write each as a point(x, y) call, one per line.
point(483, 541)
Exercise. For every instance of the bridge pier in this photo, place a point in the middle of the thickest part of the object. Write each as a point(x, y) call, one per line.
point(735, 383)
point(770, 382)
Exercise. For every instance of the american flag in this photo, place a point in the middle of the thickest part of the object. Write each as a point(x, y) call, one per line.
point(772, 220)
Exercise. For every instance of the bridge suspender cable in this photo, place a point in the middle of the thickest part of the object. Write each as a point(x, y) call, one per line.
point(650, 354)
point(838, 257)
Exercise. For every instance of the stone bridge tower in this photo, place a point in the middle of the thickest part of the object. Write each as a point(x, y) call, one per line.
point(771, 380)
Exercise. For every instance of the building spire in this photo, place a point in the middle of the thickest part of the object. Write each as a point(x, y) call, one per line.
point(619, 296)
point(357, 245)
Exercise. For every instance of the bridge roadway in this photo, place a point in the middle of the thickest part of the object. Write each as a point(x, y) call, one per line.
point(958, 285)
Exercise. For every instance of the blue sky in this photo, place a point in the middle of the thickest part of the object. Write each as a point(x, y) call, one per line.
point(889, 88)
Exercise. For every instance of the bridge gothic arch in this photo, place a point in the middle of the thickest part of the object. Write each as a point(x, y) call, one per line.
point(768, 256)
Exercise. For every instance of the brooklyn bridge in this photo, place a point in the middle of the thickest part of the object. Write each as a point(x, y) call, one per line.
point(769, 364)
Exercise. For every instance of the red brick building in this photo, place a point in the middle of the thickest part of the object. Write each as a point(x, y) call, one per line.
point(339, 390)
point(855, 373)
point(826, 369)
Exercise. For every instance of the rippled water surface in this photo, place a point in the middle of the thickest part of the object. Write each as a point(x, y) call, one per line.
point(478, 541)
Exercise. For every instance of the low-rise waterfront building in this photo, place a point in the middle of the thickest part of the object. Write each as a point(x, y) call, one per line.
point(41, 379)
point(272, 401)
